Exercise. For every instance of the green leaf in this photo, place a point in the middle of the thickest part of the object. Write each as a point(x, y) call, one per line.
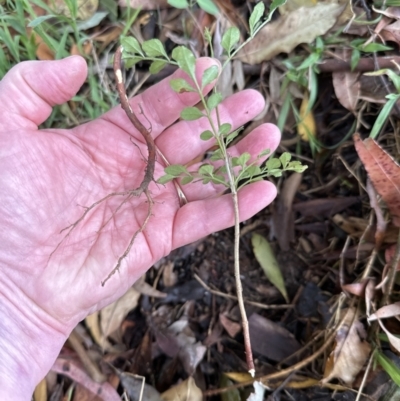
point(235, 161)
point(191, 113)
point(185, 59)
point(214, 100)
point(206, 169)
point(157, 66)
point(154, 48)
point(37, 21)
point(178, 3)
point(389, 366)
point(225, 129)
point(265, 256)
point(273, 164)
point(209, 75)
point(251, 171)
point(180, 85)
point(207, 35)
point(187, 180)
point(131, 61)
point(296, 166)
point(175, 170)
point(275, 173)
point(243, 158)
point(383, 115)
point(131, 45)
point(255, 16)
point(206, 135)
point(285, 159)
point(208, 6)
point(231, 137)
point(263, 153)
point(230, 395)
point(230, 38)
point(355, 58)
point(217, 155)
point(165, 178)
point(374, 47)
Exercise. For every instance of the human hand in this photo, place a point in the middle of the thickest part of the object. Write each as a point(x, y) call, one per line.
point(46, 174)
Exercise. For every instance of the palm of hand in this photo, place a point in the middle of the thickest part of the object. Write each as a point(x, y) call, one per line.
point(46, 175)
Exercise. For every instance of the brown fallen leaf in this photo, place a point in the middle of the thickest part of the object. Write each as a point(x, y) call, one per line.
point(386, 312)
point(70, 369)
point(40, 393)
point(113, 315)
point(143, 4)
point(283, 35)
point(85, 8)
point(232, 328)
point(351, 350)
point(392, 32)
point(270, 339)
point(347, 89)
point(384, 173)
point(185, 391)
point(282, 218)
point(324, 207)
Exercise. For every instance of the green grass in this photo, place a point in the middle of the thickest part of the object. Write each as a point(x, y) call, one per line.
point(18, 22)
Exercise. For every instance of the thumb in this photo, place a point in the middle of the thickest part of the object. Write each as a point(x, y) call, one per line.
point(31, 88)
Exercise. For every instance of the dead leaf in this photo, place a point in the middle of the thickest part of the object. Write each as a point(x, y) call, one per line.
point(179, 340)
point(391, 12)
point(266, 258)
point(351, 350)
point(239, 377)
point(347, 89)
point(82, 394)
point(113, 315)
point(185, 391)
point(325, 207)
point(386, 311)
point(170, 278)
point(144, 4)
point(86, 48)
point(282, 218)
point(306, 128)
point(93, 324)
point(394, 340)
point(392, 32)
point(270, 339)
point(85, 8)
point(283, 35)
point(40, 393)
point(146, 289)
point(384, 173)
point(43, 52)
point(134, 385)
point(232, 328)
point(292, 5)
point(69, 368)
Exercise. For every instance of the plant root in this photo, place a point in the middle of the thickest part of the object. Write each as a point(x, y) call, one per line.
point(143, 188)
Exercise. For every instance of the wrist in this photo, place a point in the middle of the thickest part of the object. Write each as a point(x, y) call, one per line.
point(30, 341)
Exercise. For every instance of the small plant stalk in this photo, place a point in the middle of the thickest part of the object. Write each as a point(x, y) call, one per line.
point(238, 281)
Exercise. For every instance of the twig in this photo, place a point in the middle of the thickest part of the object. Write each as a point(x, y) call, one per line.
point(229, 296)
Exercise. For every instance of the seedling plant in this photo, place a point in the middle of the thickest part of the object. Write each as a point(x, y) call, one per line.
point(220, 168)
